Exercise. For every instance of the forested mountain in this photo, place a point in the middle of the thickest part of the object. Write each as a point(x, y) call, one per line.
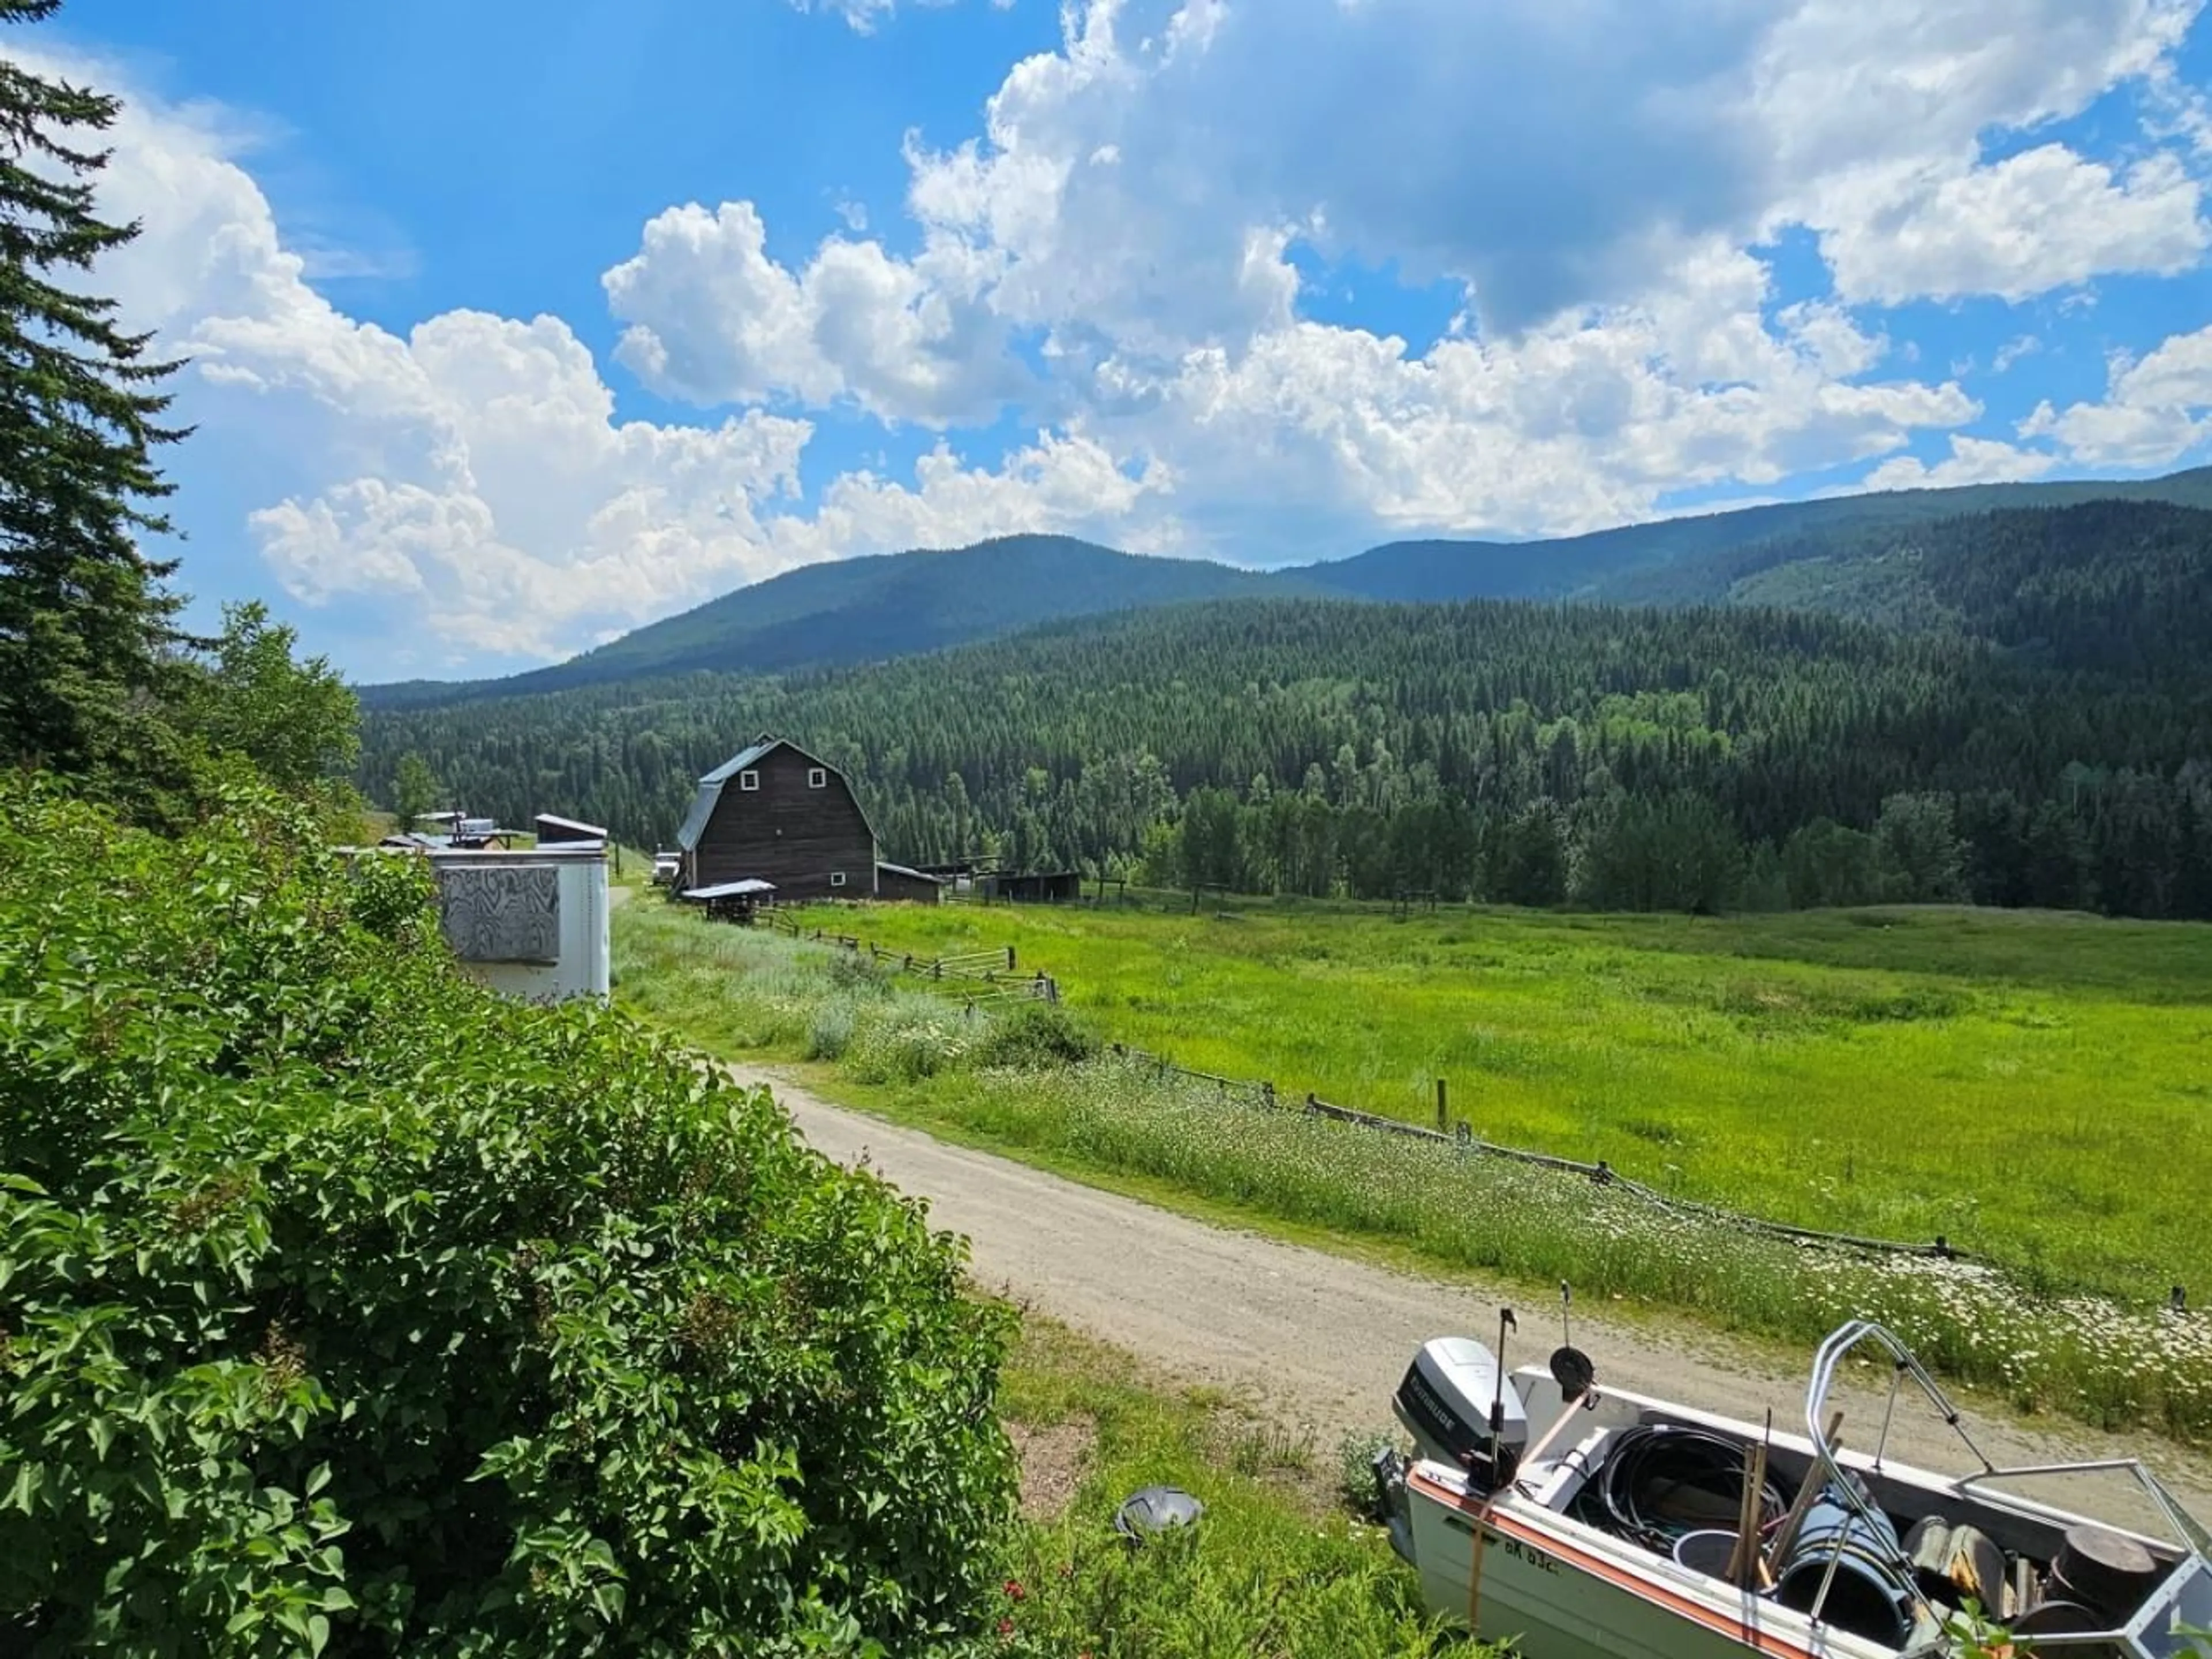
point(1692, 560)
point(2023, 577)
point(1640, 757)
point(854, 611)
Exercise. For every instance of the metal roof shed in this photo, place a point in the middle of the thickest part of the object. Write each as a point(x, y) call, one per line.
point(728, 889)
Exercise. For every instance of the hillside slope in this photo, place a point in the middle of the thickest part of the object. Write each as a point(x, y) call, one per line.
point(854, 611)
point(1690, 560)
point(2114, 586)
point(864, 609)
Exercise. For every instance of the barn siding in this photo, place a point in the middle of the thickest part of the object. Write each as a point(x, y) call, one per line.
point(787, 833)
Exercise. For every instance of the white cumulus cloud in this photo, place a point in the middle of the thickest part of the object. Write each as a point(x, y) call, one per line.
point(1137, 182)
point(2154, 411)
point(1973, 461)
point(466, 490)
point(1582, 422)
point(712, 319)
point(2043, 219)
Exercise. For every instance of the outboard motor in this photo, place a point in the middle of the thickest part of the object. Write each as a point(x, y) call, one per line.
point(1445, 1404)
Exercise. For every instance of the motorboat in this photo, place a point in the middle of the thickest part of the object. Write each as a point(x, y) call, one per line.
point(1636, 1528)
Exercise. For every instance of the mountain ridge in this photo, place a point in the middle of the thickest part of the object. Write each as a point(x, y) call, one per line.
point(879, 606)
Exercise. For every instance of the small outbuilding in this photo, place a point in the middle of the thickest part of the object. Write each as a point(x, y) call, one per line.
point(731, 900)
point(1041, 887)
point(532, 924)
point(556, 831)
point(898, 881)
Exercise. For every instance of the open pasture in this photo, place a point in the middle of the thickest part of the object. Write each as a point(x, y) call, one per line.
point(2034, 1087)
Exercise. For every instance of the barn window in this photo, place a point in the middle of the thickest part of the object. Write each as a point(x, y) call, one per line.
point(748, 780)
point(837, 878)
point(817, 778)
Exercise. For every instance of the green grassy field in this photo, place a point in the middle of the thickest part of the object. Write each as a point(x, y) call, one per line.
point(2034, 1087)
point(1018, 1081)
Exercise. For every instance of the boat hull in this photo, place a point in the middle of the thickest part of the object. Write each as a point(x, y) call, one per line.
point(1558, 1598)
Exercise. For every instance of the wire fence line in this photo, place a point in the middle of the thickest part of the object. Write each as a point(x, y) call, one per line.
point(1463, 1139)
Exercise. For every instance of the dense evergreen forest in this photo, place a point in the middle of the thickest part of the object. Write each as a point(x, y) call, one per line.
point(2053, 745)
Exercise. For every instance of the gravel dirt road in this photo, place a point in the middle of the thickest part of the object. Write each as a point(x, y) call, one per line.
point(1323, 1339)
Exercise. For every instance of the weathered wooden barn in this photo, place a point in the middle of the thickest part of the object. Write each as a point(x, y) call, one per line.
point(775, 813)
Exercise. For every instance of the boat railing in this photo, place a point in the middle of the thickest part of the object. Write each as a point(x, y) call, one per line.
point(1828, 1469)
point(2189, 1532)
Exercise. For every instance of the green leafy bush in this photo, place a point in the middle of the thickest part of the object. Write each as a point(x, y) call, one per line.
point(1037, 1036)
point(346, 1308)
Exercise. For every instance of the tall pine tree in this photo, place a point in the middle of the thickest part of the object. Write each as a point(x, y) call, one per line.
point(86, 625)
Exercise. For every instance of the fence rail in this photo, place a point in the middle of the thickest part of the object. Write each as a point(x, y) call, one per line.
point(984, 977)
point(975, 978)
point(1462, 1139)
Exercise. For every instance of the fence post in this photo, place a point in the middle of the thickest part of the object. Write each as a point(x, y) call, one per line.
point(1009, 958)
point(1266, 1094)
point(1442, 1120)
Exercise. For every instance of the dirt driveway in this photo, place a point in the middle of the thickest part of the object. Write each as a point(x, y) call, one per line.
point(1322, 1338)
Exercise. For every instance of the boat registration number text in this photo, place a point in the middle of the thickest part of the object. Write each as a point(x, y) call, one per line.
point(1506, 1544)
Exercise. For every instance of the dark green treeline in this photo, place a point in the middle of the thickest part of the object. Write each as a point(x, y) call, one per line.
point(1635, 759)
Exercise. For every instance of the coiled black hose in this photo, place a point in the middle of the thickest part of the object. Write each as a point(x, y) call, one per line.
point(1662, 1480)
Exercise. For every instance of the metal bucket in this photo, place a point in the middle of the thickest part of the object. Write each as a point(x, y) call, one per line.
point(1872, 1595)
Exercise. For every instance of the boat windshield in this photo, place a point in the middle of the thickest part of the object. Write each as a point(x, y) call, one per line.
point(2185, 1529)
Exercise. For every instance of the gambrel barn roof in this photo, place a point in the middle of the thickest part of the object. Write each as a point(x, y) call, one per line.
point(710, 786)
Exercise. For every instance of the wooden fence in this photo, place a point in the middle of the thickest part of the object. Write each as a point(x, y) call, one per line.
point(975, 978)
point(980, 978)
point(1459, 1137)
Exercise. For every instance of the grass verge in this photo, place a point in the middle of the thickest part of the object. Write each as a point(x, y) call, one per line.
point(1010, 1082)
point(1275, 1565)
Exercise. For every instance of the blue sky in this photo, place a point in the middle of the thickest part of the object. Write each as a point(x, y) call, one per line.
point(510, 334)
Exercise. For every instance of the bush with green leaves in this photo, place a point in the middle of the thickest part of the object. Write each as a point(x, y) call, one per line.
point(346, 1308)
point(1037, 1036)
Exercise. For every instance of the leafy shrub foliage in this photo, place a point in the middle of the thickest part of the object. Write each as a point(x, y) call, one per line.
point(1037, 1036)
point(346, 1308)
